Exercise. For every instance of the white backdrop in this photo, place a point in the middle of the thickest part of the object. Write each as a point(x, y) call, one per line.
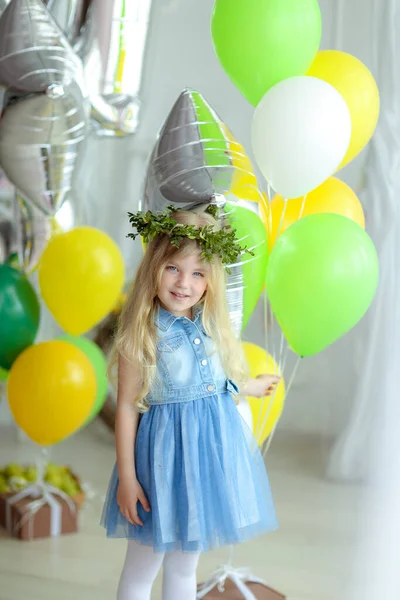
point(180, 54)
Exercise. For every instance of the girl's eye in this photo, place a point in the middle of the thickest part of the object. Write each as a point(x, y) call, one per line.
point(198, 274)
point(171, 268)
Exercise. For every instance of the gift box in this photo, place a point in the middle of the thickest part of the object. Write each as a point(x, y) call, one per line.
point(38, 509)
point(228, 583)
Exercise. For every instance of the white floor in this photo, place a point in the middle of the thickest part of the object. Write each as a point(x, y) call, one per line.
point(310, 557)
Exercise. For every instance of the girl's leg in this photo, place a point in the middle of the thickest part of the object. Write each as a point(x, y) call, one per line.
point(139, 572)
point(179, 577)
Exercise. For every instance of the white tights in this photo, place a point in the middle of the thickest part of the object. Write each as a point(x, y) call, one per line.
point(142, 566)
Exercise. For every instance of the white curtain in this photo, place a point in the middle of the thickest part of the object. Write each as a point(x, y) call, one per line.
point(378, 337)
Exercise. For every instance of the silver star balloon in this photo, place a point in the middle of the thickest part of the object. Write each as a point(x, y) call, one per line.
point(40, 137)
point(34, 53)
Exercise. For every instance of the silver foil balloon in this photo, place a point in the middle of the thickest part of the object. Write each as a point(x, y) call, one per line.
point(70, 16)
point(34, 53)
point(117, 30)
point(3, 4)
point(40, 137)
point(33, 230)
point(24, 233)
point(7, 239)
point(196, 161)
point(7, 229)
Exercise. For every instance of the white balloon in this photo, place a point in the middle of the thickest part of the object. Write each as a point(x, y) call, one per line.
point(300, 133)
point(245, 412)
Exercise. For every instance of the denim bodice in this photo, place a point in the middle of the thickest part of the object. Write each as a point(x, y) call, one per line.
point(188, 367)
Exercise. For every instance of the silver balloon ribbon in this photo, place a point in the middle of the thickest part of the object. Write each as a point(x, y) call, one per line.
point(118, 31)
point(40, 137)
point(34, 53)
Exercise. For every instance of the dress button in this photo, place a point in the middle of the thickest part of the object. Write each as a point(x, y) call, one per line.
point(197, 341)
point(210, 388)
point(204, 362)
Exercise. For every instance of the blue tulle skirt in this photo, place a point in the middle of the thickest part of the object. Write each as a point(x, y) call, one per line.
point(203, 475)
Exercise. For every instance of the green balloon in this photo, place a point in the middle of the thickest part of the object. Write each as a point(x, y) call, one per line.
point(99, 364)
point(19, 315)
point(3, 374)
point(321, 278)
point(261, 42)
point(250, 232)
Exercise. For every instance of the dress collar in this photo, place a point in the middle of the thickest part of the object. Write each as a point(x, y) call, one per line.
point(165, 320)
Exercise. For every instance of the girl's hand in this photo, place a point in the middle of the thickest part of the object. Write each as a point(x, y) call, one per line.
point(265, 385)
point(129, 493)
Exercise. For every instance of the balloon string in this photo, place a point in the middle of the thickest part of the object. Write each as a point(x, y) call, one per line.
point(282, 219)
point(271, 399)
point(289, 387)
point(274, 354)
point(303, 205)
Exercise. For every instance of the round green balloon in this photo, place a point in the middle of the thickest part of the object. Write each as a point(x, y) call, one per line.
point(19, 314)
point(99, 364)
point(250, 232)
point(261, 42)
point(321, 278)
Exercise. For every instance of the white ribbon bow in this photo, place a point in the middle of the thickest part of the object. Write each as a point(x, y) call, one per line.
point(239, 577)
point(43, 493)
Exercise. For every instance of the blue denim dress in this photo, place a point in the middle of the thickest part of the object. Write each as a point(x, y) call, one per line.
point(196, 459)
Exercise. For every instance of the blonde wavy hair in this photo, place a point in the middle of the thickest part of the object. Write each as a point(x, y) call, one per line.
point(136, 337)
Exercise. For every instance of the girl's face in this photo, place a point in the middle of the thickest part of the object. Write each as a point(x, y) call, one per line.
point(183, 283)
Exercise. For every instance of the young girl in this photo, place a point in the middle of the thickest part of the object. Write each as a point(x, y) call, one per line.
point(187, 478)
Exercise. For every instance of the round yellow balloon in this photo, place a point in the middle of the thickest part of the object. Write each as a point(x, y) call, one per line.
point(51, 391)
point(358, 87)
point(265, 414)
point(332, 196)
point(81, 275)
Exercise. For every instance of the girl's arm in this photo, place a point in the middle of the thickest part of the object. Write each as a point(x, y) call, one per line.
point(127, 419)
point(263, 385)
point(126, 424)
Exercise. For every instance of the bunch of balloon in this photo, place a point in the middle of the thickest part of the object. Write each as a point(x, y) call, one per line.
point(315, 111)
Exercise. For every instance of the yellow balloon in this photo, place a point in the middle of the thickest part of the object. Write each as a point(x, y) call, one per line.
point(259, 361)
point(358, 87)
point(51, 391)
point(332, 196)
point(81, 275)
